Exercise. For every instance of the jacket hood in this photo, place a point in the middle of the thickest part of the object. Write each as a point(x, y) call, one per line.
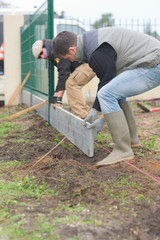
point(49, 48)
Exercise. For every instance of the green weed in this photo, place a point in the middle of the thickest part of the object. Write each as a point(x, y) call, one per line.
point(103, 136)
point(28, 188)
point(9, 164)
point(13, 223)
point(122, 189)
point(6, 128)
point(151, 143)
point(103, 139)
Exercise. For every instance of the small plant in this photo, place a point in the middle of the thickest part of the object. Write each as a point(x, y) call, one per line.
point(140, 196)
point(56, 138)
point(121, 182)
point(151, 144)
point(134, 184)
point(103, 136)
point(103, 139)
point(141, 153)
point(67, 145)
point(109, 191)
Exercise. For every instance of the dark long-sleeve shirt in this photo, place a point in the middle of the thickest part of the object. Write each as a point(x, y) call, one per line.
point(102, 61)
point(65, 68)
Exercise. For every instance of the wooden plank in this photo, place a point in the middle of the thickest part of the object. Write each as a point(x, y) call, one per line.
point(24, 111)
point(14, 93)
point(17, 90)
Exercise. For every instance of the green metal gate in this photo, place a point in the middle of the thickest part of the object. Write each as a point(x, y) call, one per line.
point(38, 27)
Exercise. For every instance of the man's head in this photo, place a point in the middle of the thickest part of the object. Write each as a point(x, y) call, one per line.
point(39, 50)
point(64, 45)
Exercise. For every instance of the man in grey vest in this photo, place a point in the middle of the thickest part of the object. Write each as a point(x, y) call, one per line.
point(127, 63)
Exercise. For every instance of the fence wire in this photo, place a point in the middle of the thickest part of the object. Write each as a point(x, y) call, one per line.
point(36, 27)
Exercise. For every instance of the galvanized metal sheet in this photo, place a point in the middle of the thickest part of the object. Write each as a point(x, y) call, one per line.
point(42, 110)
point(65, 122)
point(71, 126)
point(26, 98)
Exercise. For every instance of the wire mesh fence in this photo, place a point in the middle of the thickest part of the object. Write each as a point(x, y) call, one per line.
point(148, 26)
point(37, 27)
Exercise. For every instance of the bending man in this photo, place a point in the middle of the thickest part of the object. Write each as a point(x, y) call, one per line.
point(133, 58)
point(71, 75)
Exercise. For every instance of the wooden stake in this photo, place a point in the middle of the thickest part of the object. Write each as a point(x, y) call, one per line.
point(24, 111)
point(14, 93)
point(17, 90)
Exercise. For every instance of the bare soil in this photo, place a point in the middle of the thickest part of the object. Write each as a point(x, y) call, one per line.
point(130, 211)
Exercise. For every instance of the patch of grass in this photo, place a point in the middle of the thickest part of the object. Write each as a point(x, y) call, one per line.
point(76, 209)
point(14, 225)
point(6, 128)
point(103, 139)
point(67, 144)
point(151, 143)
point(56, 138)
point(74, 218)
point(103, 136)
point(4, 115)
point(19, 140)
point(124, 190)
point(9, 164)
point(17, 188)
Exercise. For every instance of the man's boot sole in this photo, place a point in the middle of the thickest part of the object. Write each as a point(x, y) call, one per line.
point(136, 145)
point(132, 145)
point(120, 160)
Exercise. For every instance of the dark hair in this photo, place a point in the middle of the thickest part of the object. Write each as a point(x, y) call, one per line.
point(63, 41)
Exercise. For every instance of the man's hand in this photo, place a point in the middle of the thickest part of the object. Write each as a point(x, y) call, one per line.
point(57, 101)
point(97, 126)
point(91, 117)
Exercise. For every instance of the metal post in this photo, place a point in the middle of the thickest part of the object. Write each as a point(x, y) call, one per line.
point(50, 66)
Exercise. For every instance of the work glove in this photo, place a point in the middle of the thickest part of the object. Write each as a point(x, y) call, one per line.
point(57, 101)
point(91, 117)
point(97, 126)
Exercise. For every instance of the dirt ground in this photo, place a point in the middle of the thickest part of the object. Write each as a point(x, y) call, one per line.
point(124, 202)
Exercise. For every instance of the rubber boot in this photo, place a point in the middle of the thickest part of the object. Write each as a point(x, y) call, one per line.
point(129, 115)
point(119, 131)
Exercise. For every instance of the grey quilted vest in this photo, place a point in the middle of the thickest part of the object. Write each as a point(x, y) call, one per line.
point(134, 49)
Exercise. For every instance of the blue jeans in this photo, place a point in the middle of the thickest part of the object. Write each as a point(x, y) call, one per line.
point(127, 84)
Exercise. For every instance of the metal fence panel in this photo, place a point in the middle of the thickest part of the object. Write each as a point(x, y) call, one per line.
point(35, 28)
